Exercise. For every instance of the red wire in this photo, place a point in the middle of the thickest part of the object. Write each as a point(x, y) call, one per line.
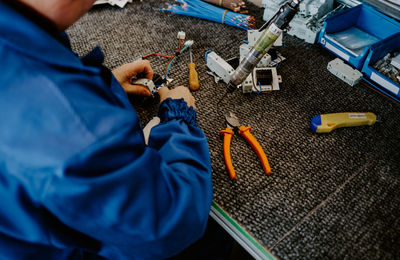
point(161, 55)
point(157, 54)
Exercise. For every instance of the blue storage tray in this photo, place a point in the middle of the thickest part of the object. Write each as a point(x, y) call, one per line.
point(377, 52)
point(351, 33)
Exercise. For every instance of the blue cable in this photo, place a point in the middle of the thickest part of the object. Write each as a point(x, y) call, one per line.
point(200, 9)
point(206, 53)
point(260, 86)
point(170, 63)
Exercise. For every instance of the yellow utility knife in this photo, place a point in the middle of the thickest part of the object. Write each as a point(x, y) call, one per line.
point(326, 123)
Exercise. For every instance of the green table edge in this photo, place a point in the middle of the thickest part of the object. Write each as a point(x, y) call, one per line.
point(241, 235)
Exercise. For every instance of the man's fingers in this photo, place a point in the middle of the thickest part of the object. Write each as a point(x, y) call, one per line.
point(140, 66)
point(138, 90)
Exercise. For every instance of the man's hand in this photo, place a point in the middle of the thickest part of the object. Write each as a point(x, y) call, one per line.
point(177, 93)
point(125, 73)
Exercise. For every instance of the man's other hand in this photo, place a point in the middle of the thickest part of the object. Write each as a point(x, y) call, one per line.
point(177, 93)
point(126, 72)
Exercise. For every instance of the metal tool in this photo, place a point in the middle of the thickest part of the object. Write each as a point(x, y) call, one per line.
point(273, 28)
point(326, 123)
point(234, 125)
point(193, 76)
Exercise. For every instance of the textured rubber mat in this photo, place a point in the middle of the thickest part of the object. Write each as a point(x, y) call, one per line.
point(333, 195)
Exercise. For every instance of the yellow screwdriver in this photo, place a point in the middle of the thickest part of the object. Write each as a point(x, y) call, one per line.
point(328, 122)
point(193, 77)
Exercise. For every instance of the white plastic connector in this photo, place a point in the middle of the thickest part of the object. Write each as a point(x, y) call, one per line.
point(181, 35)
point(276, 79)
point(343, 71)
point(247, 85)
point(219, 66)
point(251, 83)
point(189, 43)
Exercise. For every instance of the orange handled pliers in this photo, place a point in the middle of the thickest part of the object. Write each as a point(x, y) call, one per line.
point(233, 124)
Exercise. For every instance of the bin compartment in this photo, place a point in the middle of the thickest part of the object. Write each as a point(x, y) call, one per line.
point(376, 53)
point(351, 33)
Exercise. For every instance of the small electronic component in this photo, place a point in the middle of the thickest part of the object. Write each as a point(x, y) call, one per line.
point(147, 83)
point(219, 66)
point(247, 84)
point(181, 35)
point(343, 71)
point(262, 80)
point(266, 79)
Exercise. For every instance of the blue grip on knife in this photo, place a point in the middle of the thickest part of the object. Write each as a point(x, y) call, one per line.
point(315, 122)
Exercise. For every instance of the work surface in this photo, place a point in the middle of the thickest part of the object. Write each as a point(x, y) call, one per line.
point(335, 195)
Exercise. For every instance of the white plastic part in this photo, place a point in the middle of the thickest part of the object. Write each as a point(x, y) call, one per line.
point(275, 80)
point(343, 71)
point(315, 7)
point(147, 129)
point(181, 35)
point(219, 66)
point(251, 84)
point(300, 27)
point(247, 85)
point(189, 42)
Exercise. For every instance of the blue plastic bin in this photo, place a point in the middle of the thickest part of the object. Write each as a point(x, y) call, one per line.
point(351, 33)
point(377, 52)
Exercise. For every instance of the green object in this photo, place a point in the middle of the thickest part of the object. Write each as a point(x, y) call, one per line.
point(241, 235)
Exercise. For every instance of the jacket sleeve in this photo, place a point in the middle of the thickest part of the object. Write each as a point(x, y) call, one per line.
point(140, 202)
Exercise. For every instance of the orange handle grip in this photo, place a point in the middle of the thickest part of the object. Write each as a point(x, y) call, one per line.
point(228, 133)
point(193, 77)
point(245, 132)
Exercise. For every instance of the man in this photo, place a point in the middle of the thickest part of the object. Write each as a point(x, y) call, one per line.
point(76, 178)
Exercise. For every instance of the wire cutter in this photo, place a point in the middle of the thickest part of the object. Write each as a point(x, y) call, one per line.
point(234, 125)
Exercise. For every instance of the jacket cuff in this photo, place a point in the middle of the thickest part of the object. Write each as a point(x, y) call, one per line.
point(176, 109)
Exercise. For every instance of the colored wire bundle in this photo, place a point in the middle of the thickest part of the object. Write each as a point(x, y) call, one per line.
point(187, 44)
point(234, 5)
point(168, 67)
point(203, 10)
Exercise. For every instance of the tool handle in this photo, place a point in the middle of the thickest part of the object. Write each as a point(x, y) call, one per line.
point(326, 123)
point(227, 134)
point(245, 132)
point(193, 77)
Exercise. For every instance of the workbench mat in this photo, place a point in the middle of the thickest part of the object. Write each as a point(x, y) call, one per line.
point(293, 210)
point(349, 223)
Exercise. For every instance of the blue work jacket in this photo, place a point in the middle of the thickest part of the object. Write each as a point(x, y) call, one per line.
point(76, 178)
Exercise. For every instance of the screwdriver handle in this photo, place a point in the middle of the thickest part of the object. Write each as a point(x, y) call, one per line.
point(193, 77)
